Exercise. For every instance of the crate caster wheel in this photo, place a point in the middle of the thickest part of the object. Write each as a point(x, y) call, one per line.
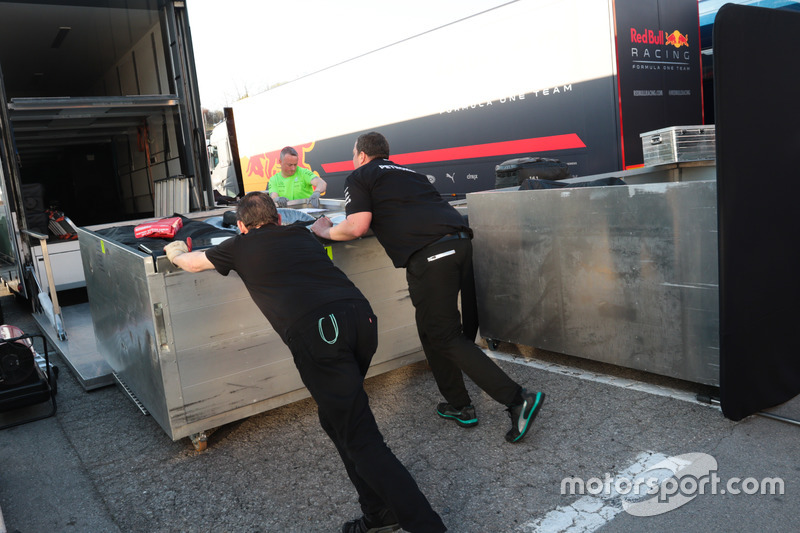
point(492, 344)
point(199, 441)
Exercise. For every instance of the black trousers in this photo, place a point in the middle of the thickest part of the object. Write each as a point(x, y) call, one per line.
point(436, 274)
point(333, 348)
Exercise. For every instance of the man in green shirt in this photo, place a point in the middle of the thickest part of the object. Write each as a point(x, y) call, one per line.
point(293, 183)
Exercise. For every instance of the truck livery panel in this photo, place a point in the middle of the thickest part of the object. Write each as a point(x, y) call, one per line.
point(577, 80)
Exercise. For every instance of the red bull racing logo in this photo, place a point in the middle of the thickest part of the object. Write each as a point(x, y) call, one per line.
point(658, 50)
point(677, 39)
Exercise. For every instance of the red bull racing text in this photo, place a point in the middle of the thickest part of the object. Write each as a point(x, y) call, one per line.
point(660, 51)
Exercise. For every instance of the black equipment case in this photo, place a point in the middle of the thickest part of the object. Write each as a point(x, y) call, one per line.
point(513, 172)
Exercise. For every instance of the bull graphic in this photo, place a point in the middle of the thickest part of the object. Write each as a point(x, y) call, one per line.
point(677, 39)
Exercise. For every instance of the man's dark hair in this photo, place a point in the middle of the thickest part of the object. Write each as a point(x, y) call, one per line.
point(373, 144)
point(256, 209)
point(288, 150)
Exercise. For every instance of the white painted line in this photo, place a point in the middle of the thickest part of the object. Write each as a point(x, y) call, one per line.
point(624, 383)
point(590, 513)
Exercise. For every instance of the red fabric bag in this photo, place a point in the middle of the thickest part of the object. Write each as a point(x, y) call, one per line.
point(166, 228)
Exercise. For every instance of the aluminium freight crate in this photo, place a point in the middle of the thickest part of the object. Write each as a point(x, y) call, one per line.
point(678, 144)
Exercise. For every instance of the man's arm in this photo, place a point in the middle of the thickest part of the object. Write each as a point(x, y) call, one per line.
point(353, 227)
point(272, 186)
point(319, 185)
point(272, 190)
point(178, 254)
point(193, 262)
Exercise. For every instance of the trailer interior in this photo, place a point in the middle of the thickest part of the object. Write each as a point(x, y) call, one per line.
point(98, 107)
point(100, 125)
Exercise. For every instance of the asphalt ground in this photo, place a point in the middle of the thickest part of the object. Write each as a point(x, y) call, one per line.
point(100, 465)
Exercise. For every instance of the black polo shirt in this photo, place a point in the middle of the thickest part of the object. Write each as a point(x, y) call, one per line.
point(286, 270)
point(408, 213)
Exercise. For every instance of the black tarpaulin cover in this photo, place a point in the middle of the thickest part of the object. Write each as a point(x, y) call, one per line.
point(200, 233)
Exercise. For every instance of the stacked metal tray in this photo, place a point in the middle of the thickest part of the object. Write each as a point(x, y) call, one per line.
point(678, 144)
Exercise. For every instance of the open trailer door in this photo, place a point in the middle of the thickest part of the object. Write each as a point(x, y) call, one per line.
point(184, 72)
point(10, 263)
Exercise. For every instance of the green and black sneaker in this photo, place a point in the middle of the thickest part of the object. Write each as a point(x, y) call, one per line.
point(465, 416)
point(523, 414)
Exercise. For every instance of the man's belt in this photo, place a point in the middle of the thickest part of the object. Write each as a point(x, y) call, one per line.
point(452, 236)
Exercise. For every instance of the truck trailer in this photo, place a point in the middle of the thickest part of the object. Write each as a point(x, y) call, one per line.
point(100, 123)
point(575, 80)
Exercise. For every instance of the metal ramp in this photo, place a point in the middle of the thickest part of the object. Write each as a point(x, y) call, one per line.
point(79, 350)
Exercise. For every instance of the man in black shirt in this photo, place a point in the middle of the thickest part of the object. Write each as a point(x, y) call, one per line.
point(332, 334)
point(423, 233)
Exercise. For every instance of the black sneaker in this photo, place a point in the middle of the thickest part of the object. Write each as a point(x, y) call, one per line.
point(523, 414)
point(465, 416)
point(385, 522)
